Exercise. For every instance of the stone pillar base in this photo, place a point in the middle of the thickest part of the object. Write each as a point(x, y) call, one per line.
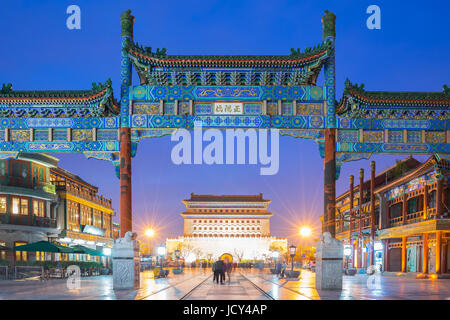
point(329, 255)
point(126, 263)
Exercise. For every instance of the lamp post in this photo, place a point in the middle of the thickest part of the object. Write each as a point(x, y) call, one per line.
point(177, 256)
point(304, 232)
point(292, 250)
point(149, 233)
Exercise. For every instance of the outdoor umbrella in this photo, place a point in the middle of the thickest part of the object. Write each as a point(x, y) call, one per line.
point(85, 250)
point(44, 246)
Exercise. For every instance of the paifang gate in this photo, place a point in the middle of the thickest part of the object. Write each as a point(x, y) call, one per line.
point(225, 92)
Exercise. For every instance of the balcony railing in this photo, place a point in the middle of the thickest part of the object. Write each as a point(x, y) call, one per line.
point(63, 186)
point(27, 220)
point(394, 222)
point(414, 217)
point(25, 183)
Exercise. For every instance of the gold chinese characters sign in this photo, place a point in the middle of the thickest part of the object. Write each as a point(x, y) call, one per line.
point(228, 108)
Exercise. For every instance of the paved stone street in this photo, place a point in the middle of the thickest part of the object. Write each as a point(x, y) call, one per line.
point(244, 285)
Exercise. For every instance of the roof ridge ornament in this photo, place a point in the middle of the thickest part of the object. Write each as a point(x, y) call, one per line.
point(446, 90)
point(126, 24)
point(7, 88)
point(328, 24)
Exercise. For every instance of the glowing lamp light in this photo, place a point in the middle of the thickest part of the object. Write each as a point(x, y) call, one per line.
point(378, 246)
point(275, 254)
point(191, 258)
point(305, 232)
point(161, 251)
point(150, 233)
point(347, 251)
point(107, 251)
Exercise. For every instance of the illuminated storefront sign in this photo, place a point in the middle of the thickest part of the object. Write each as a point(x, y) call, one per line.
point(93, 230)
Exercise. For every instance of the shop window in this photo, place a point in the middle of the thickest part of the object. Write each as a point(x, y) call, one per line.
point(412, 205)
point(40, 256)
point(21, 255)
point(3, 204)
point(41, 174)
point(38, 208)
point(3, 167)
point(24, 170)
point(15, 169)
point(432, 201)
point(2, 252)
point(23, 206)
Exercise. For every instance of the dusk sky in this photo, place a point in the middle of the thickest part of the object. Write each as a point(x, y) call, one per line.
point(38, 52)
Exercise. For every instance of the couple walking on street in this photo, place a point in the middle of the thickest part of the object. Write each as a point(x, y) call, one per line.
point(280, 268)
point(219, 269)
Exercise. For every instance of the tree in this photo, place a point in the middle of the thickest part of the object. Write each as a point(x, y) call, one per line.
point(239, 254)
point(281, 250)
point(209, 256)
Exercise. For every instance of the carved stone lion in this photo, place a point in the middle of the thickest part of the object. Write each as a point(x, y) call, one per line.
point(127, 239)
point(327, 239)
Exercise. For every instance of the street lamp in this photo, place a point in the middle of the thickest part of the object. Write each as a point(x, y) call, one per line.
point(305, 232)
point(177, 255)
point(149, 233)
point(292, 250)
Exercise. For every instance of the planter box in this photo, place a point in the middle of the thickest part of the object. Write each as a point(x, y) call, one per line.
point(350, 272)
point(177, 271)
point(294, 274)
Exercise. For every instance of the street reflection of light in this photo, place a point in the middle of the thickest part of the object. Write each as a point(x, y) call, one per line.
point(275, 291)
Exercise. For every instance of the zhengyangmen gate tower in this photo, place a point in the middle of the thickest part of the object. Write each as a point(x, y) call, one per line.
point(174, 91)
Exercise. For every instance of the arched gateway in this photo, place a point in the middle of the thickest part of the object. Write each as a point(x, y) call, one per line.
point(226, 256)
point(276, 91)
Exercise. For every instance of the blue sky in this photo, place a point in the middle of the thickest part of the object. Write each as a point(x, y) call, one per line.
point(409, 53)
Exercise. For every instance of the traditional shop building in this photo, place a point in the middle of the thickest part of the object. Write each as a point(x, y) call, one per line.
point(40, 201)
point(28, 203)
point(236, 226)
point(85, 218)
point(400, 220)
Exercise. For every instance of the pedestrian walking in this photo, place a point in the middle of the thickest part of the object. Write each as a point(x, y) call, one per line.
point(221, 270)
point(283, 269)
point(215, 272)
point(278, 269)
point(229, 269)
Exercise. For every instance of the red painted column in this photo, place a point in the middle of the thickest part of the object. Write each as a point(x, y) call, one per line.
point(404, 208)
point(425, 202)
point(438, 252)
point(125, 181)
point(425, 253)
point(350, 228)
point(330, 182)
point(372, 213)
point(361, 192)
point(444, 266)
point(386, 255)
point(404, 254)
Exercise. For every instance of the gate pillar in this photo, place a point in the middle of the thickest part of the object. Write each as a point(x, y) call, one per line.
point(126, 24)
point(329, 200)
